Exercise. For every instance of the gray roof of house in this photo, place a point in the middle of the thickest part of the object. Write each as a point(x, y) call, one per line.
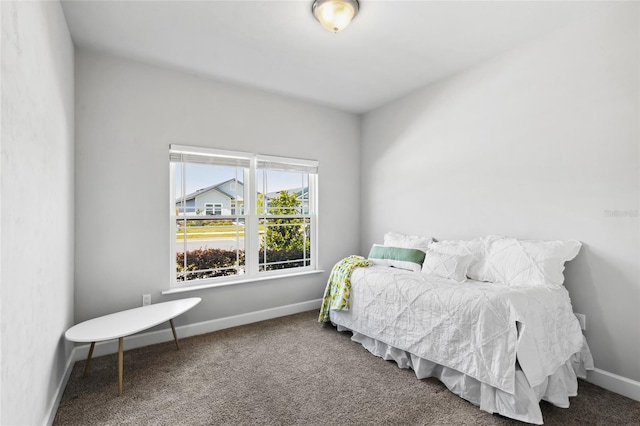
point(297, 191)
point(216, 187)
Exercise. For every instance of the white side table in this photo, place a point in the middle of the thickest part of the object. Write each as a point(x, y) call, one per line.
point(125, 323)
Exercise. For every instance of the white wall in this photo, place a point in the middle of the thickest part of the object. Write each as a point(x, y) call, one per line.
point(538, 143)
point(37, 208)
point(127, 114)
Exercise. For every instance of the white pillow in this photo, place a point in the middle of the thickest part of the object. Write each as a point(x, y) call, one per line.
point(472, 248)
point(451, 266)
point(395, 239)
point(398, 257)
point(527, 263)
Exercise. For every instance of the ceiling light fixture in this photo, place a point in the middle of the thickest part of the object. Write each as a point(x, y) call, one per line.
point(335, 15)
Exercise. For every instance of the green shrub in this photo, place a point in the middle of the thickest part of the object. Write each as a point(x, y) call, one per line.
point(195, 222)
point(210, 258)
point(284, 255)
point(232, 261)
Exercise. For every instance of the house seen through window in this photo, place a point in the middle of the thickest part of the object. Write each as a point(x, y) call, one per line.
point(240, 215)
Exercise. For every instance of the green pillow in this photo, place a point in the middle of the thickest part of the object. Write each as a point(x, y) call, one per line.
point(398, 257)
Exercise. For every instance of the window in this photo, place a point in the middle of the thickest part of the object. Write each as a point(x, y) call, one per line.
point(283, 215)
point(238, 215)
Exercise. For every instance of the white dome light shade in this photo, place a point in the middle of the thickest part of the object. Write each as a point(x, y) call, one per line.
point(335, 15)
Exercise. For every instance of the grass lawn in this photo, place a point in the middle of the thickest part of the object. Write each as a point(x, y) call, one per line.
point(208, 232)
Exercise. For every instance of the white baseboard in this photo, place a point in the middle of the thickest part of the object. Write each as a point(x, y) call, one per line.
point(614, 383)
point(151, 338)
point(55, 402)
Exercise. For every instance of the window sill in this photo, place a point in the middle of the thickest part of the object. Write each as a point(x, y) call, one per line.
point(240, 281)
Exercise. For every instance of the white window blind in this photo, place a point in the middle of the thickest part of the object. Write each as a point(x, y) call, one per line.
point(287, 164)
point(178, 153)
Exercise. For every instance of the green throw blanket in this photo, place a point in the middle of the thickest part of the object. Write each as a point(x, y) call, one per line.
point(336, 295)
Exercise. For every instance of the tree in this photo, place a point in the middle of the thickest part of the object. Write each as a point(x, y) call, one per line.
point(286, 234)
point(260, 203)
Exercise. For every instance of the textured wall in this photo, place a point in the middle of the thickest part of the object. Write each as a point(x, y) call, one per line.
point(541, 142)
point(37, 208)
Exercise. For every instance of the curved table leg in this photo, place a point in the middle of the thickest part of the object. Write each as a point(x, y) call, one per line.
point(88, 361)
point(120, 345)
point(175, 336)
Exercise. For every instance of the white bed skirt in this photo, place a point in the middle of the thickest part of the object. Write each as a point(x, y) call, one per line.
point(523, 405)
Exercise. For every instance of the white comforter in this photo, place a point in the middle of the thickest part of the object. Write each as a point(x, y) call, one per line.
point(475, 328)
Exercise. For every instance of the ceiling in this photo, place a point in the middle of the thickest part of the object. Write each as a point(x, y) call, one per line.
point(390, 49)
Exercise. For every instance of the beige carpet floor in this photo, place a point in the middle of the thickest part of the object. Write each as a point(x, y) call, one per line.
point(288, 371)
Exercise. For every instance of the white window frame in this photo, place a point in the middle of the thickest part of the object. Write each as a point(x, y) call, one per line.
point(251, 236)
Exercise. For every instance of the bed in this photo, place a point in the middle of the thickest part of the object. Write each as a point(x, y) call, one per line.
point(503, 347)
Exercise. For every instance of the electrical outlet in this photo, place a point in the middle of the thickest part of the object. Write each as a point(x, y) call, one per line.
point(146, 299)
point(582, 319)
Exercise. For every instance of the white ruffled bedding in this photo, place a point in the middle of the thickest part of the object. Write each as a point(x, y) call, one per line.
point(475, 328)
point(522, 405)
